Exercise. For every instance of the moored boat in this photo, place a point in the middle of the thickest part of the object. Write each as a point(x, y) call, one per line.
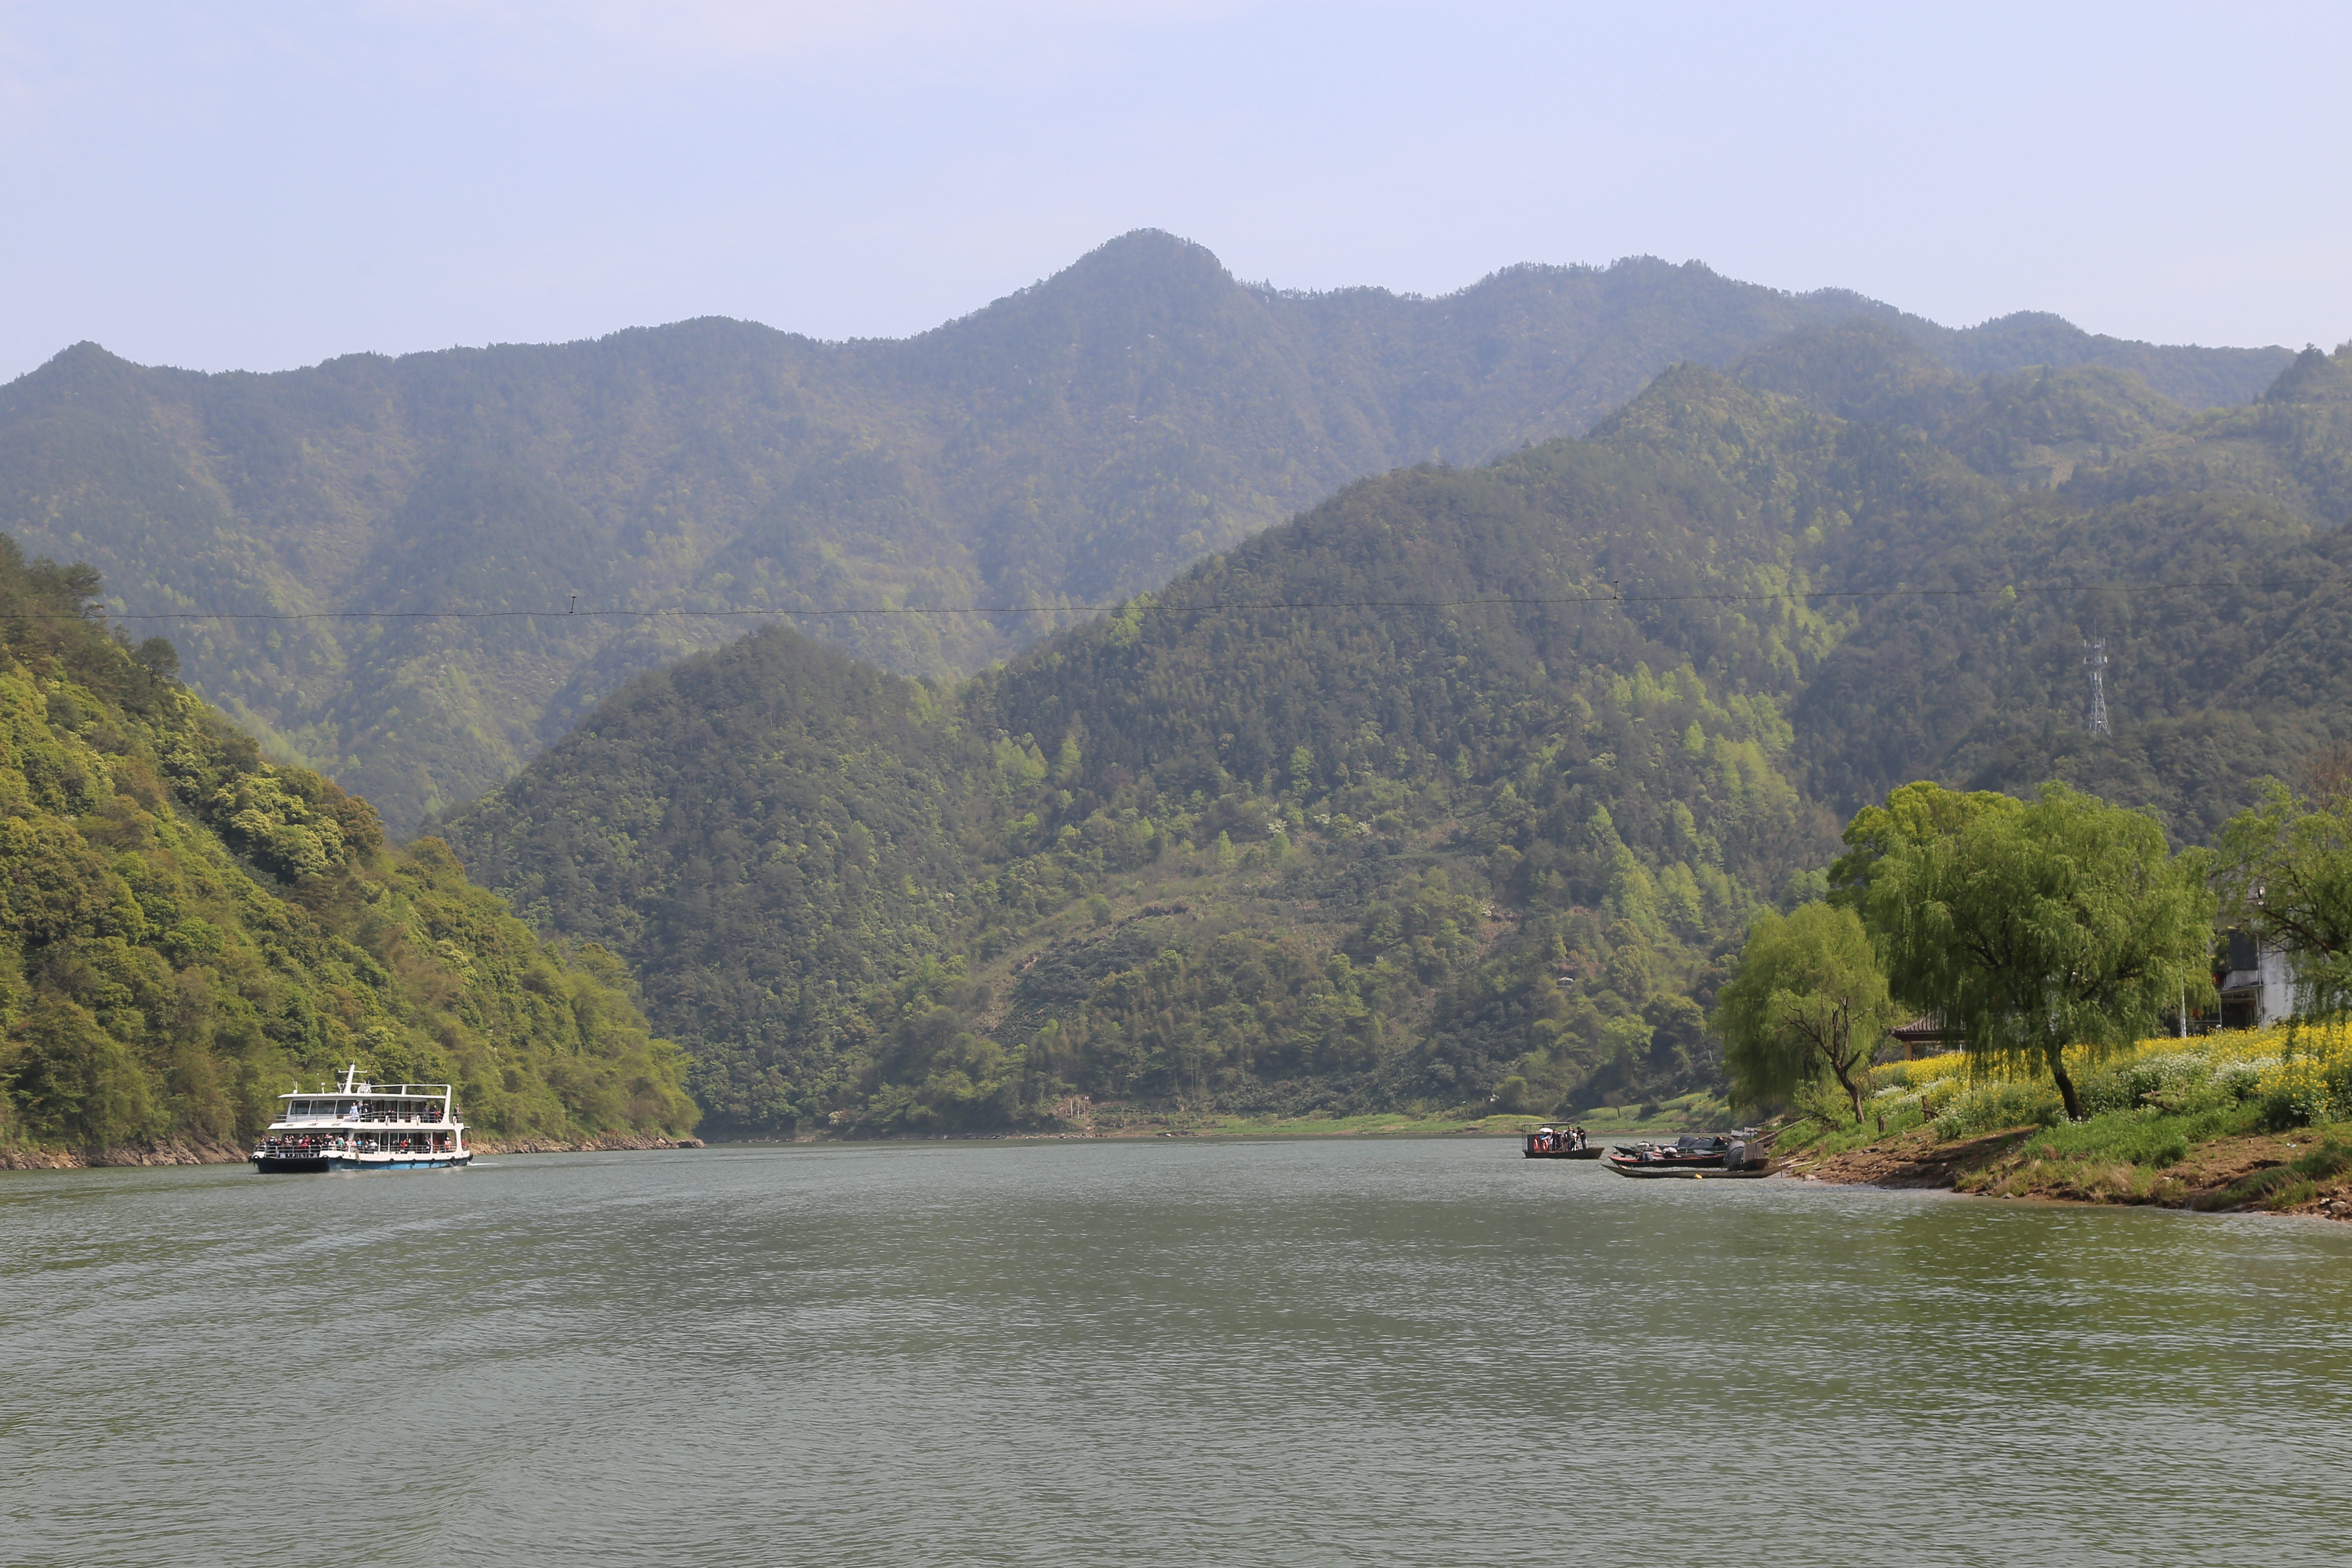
point(1686, 1153)
point(1558, 1143)
point(1694, 1158)
point(365, 1127)
point(1685, 1173)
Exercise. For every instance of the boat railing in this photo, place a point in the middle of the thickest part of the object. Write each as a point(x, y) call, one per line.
point(300, 1144)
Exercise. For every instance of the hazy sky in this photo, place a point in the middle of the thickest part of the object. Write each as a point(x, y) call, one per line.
point(260, 184)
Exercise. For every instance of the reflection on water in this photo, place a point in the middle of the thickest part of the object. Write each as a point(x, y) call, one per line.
point(1421, 1351)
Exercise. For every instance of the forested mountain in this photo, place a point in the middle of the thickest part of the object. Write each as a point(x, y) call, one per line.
point(2208, 557)
point(187, 930)
point(1311, 825)
point(1076, 442)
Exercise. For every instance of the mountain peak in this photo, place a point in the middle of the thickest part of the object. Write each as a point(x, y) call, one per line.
point(1140, 264)
point(2313, 376)
point(75, 373)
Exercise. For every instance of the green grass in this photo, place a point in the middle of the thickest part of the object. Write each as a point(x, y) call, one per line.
point(1688, 1113)
point(2283, 1186)
point(1697, 1112)
point(2148, 1138)
point(1822, 1138)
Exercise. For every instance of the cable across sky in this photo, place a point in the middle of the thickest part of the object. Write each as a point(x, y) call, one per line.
point(1207, 606)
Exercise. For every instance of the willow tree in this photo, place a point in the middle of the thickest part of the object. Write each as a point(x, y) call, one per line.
point(1809, 1001)
point(1912, 814)
point(2064, 923)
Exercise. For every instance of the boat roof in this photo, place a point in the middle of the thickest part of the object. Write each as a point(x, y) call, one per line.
point(373, 1091)
point(353, 1087)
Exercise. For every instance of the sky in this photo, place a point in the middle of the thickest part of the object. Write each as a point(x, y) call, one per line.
point(258, 186)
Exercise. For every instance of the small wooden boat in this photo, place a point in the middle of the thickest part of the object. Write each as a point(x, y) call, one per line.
point(1653, 1172)
point(1558, 1143)
point(1685, 1153)
point(1730, 1155)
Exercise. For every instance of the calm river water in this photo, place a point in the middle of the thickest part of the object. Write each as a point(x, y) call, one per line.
point(1415, 1351)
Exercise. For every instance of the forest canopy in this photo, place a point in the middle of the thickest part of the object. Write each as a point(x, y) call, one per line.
point(187, 930)
point(1460, 789)
point(1071, 444)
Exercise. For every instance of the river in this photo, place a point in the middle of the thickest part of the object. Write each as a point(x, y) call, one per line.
point(1343, 1350)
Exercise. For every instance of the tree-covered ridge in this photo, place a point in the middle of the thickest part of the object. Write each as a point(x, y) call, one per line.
point(2292, 447)
point(1347, 855)
point(1311, 825)
point(1076, 442)
point(772, 835)
point(2204, 560)
point(187, 930)
point(2029, 429)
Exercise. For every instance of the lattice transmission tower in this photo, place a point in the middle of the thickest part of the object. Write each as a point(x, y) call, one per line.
point(2094, 659)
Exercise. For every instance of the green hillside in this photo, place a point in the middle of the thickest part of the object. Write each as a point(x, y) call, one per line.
point(1254, 858)
point(1386, 848)
point(187, 930)
point(1076, 442)
point(2227, 655)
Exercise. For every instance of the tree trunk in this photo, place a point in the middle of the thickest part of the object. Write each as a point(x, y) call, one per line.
point(1852, 1089)
point(1841, 1054)
point(2057, 1057)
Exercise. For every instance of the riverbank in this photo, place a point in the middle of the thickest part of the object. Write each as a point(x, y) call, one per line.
point(172, 1152)
point(1690, 1113)
point(2289, 1172)
point(2223, 1123)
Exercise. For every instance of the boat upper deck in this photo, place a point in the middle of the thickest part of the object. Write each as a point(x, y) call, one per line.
point(370, 1104)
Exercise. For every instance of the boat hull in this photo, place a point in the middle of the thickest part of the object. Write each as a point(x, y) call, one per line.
point(1709, 1162)
point(302, 1165)
point(1658, 1170)
point(290, 1164)
point(1592, 1153)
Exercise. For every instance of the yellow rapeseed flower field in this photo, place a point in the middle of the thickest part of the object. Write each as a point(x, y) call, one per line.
point(2309, 1065)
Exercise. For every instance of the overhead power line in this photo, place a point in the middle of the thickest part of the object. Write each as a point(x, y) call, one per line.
point(1205, 606)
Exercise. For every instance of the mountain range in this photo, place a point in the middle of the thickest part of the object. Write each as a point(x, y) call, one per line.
point(1073, 444)
point(1459, 787)
point(1469, 671)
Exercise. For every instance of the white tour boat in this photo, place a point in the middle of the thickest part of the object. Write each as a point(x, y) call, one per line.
point(365, 1127)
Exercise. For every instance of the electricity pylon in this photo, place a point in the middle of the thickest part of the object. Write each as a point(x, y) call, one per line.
point(2095, 659)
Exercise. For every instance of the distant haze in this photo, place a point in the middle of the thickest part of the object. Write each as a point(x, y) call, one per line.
point(1075, 442)
point(259, 184)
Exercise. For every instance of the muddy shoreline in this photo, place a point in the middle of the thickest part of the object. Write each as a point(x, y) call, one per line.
point(2215, 1177)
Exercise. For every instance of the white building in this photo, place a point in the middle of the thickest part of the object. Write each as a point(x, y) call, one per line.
point(2259, 990)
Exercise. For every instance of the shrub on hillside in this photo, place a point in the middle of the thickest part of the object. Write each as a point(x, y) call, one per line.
point(1989, 1107)
point(2183, 1081)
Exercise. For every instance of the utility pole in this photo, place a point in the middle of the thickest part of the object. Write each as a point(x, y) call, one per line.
point(2094, 659)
